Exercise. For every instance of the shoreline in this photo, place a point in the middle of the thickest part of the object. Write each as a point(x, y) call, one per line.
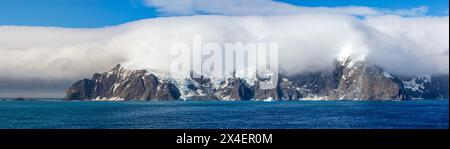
point(253, 100)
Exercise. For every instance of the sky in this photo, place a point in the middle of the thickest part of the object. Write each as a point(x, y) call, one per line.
point(46, 45)
point(100, 13)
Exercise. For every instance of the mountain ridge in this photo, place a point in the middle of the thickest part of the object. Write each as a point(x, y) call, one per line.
point(350, 80)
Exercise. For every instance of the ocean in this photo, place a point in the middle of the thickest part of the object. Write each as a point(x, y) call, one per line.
point(49, 114)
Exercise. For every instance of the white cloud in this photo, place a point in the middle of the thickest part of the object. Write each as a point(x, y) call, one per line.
point(308, 42)
point(408, 45)
point(265, 7)
point(247, 7)
point(417, 11)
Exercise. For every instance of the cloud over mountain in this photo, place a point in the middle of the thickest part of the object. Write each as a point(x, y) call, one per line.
point(310, 39)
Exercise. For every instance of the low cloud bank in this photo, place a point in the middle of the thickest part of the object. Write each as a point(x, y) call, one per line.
point(307, 42)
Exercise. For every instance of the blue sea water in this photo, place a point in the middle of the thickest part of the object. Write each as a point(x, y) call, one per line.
point(420, 114)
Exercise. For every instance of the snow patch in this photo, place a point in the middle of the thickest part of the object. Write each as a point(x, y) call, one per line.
point(108, 99)
point(417, 84)
point(387, 75)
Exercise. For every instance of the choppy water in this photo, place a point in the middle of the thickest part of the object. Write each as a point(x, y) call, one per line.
point(211, 114)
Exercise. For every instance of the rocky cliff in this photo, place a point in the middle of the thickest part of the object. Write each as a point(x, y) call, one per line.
point(349, 80)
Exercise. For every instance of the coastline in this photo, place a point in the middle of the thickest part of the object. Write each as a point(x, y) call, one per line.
point(214, 100)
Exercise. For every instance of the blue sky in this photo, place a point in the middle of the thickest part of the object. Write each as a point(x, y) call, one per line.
point(99, 13)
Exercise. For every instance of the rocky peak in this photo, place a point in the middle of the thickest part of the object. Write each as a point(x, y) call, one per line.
point(349, 79)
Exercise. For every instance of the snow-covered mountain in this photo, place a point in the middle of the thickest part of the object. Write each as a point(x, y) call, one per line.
point(427, 87)
point(349, 80)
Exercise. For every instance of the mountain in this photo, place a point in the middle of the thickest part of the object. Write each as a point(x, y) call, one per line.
point(349, 80)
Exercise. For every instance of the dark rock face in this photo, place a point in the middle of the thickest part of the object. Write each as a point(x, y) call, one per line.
point(122, 84)
point(317, 84)
point(348, 80)
point(81, 90)
point(288, 90)
point(364, 81)
point(234, 88)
